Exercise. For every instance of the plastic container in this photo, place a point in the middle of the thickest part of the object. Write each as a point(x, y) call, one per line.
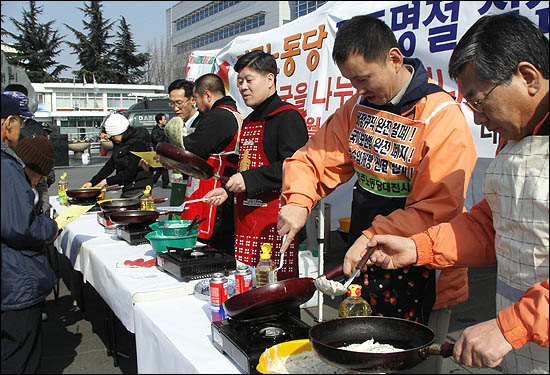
point(345, 223)
point(62, 187)
point(147, 203)
point(354, 304)
point(171, 227)
point(264, 266)
point(160, 241)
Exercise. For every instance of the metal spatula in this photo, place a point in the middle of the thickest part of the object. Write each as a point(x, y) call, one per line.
point(271, 275)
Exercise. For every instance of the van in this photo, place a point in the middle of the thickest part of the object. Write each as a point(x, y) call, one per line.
point(142, 114)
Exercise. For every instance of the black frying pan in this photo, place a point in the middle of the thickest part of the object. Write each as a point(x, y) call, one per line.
point(124, 204)
point(268, 299)
point(177, 158)
point(415, 338)
point(144, 217)
point(88, 193)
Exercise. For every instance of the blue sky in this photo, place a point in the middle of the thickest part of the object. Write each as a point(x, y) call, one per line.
point(147, 20)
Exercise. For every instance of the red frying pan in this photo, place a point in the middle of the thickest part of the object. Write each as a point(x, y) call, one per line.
point(177, 158)
point(268, 299)
point(88, 193)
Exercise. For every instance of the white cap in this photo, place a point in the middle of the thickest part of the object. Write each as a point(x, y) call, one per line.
point(116, 124)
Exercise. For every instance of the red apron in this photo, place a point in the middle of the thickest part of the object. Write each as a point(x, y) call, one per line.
point(198, 188)
point(256, 218)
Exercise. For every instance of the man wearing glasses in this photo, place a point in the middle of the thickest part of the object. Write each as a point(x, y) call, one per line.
point(411, 148)
point(501, 67)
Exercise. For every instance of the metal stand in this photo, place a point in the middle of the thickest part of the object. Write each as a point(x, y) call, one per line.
point(321, 242)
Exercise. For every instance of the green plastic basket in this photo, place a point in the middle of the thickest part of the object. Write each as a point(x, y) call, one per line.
point(171, 227)
point(160, 241)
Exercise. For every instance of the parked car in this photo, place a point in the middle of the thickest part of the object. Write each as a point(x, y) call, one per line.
point(142, 114)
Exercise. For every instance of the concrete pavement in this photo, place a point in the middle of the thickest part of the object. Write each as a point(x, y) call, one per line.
point(75, 340)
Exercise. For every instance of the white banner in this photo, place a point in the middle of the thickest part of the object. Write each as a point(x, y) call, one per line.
point(308, 77)
point(200, 63)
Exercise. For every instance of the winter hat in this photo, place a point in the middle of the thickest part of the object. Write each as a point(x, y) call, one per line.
point(116, 124)
point(23, 102)
point(37, 153)
point(9, 106)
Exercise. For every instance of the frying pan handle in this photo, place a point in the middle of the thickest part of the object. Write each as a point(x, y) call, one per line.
point(223, 179)
point(160, 200)
point(114, 187)
point(444, 350)
point(338, 270)
point(363, 261)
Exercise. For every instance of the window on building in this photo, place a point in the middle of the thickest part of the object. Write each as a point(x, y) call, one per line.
point(305, 7)
point(63, 100)
point(222, 33)
point(204, 12)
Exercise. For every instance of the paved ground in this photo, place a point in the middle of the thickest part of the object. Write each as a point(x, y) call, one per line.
point(75, 340)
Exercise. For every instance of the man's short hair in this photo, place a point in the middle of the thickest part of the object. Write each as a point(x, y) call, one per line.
point(366, 36)
point(159, 117)
point(211, 82)
point(182, 84)
point(17, 87)
point(259, 61)
point(496, 44)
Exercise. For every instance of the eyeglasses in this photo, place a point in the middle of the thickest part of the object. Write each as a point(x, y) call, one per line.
point(177, 103)
point(477, 105)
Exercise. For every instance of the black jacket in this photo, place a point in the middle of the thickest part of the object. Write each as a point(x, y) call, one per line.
point(128, 172)
point(158, 135)
point(215, 130)
point(284, 133)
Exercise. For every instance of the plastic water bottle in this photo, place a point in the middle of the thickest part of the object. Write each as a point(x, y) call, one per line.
point(85, 157)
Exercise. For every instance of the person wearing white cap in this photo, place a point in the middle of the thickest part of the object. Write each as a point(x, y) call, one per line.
point(128, 173)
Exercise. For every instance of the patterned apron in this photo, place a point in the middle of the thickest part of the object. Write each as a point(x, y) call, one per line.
point(386, 150)
point(256, 218)
point(197, 188)
point(516, 188)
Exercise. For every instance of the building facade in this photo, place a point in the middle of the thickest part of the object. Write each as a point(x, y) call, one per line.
point(78, 109)
point(205, 25)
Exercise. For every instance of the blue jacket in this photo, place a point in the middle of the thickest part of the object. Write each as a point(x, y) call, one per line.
point(27, 277)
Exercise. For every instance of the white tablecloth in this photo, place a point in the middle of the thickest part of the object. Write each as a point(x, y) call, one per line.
point(174, 336)
point(96, 254)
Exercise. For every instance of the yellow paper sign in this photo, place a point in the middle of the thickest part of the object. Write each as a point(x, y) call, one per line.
point(71, 214)
point(148, 156)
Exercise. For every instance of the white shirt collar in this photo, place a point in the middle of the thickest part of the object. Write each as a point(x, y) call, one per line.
point(189, 122)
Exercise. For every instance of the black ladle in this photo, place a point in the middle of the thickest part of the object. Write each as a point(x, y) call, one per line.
point(194, 224)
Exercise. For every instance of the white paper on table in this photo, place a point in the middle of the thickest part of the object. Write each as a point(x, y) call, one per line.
point(71, 214)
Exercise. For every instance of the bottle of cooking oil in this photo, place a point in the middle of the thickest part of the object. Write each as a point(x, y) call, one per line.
point(62, 187)
point(354, 304)
point(264, 266)
point(147, 202)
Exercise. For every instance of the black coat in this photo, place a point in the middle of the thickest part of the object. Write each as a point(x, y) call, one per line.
point(128, 172)
point(158, 135)
point(284, 133)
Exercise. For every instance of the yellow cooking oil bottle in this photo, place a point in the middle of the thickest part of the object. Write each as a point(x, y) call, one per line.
point(264, 266)
point(354, 304)
point(62, 187)
point(147, 202)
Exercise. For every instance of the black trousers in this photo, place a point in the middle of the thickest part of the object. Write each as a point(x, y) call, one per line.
point(165, 177)
point(21, 340)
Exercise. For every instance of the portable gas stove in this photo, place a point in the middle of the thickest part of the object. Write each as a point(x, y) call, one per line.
point(109, 226)
point(86, 202)
point(245, 340)
point(134, 234)
point(195, 263)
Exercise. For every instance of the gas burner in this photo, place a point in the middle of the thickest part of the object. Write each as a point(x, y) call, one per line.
point(271, 332)
point(195, 263)
point(134, 234)
point(245, 340)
